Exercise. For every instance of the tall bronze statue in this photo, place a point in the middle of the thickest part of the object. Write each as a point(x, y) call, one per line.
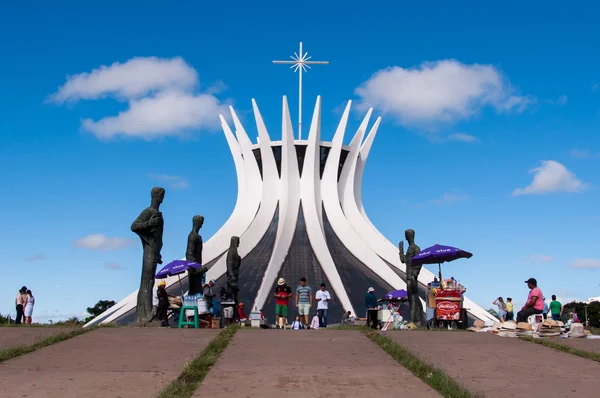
point(194, 253)
point(234, 261)
point(412, 276)
point(149, 227)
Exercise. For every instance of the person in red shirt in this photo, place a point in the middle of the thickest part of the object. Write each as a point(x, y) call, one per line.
point(282, 296)
point(241, 312)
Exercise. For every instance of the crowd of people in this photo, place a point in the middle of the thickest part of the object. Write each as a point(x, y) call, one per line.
point(535, 305)
point(24, 303)
point(304, 303)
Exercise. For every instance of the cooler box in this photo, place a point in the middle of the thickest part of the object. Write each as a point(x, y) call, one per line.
point(448, 305)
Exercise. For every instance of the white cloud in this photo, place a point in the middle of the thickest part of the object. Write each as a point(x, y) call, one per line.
point(463, 138)
point(550, 177)
point(540, 258)
point(585, 263)
point(174, 182)
point(449, 198)
point(441, 91)
point(132, 79)
point(36, 257)
point(166, 114)
point(102, 243)
point(161, 94)
point(114, 266)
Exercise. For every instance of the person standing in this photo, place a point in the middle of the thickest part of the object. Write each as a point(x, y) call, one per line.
point(430, 311)
point(546, 309)
point(510, 313)
point(535, 301)
point(20, 305)
point(501, 308)
point(556, 309)
point(323, 298)
point(282, 296)
point(29, 307)
point(208, 294)
point(304, 301)
point(163, 304)
point(371, 306)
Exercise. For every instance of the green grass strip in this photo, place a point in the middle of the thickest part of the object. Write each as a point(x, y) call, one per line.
point(195, 371)
point(594, 356)
point(17, 351)
point(431, 375)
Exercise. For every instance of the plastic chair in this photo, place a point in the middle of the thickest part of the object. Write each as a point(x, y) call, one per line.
point(532, 319)
point(182, 317)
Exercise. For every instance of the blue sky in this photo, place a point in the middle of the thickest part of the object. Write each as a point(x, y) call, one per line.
point(473, 99)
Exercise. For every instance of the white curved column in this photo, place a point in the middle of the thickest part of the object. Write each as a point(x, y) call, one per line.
point(213, 247)
point(353, 207)
point(312, 204)
point(259, 205)
point(289, 205)
point(339, 222)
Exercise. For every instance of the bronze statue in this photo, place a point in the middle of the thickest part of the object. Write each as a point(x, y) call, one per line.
point(412, 276)
point(194, 253)
point(234, 262)
point(149, 227)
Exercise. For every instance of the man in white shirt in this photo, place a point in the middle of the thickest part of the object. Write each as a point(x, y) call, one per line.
point(323, 298)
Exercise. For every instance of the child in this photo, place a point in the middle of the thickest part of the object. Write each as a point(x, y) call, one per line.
point(315, 322)
point(297, 324)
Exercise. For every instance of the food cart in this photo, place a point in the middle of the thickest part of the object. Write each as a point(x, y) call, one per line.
point(449, 302)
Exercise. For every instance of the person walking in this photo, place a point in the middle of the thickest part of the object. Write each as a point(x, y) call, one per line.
point(535, 301)
point(282, 296)
point(29, 303)
point(323, 298)
point(501, 308)
point(510, 312)
point(304, 301)
point(371, 306)
point(20, 305)
point(556, 309)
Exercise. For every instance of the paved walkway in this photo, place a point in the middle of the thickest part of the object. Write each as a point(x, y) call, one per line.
point(111, 362)
point(308, 363)
point(27, 335)
point(504, 367)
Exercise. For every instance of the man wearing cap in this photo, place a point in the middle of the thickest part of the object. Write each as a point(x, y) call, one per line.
point(208, 293)
point(282, 296)
point(535, 302)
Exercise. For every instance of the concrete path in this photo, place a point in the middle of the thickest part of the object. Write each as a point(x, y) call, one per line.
point(111, 362)
point(27, 335)
point(308, 363)
point(504, 367)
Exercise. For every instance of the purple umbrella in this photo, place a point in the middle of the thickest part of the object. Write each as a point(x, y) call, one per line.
point(176, 267)
point(396, 295)
point(438, 254)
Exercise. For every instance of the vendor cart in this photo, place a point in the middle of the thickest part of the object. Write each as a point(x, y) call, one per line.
point(448, 305)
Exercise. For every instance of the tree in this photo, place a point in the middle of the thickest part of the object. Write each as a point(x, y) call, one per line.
point(593, 312)
point(98, 309)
